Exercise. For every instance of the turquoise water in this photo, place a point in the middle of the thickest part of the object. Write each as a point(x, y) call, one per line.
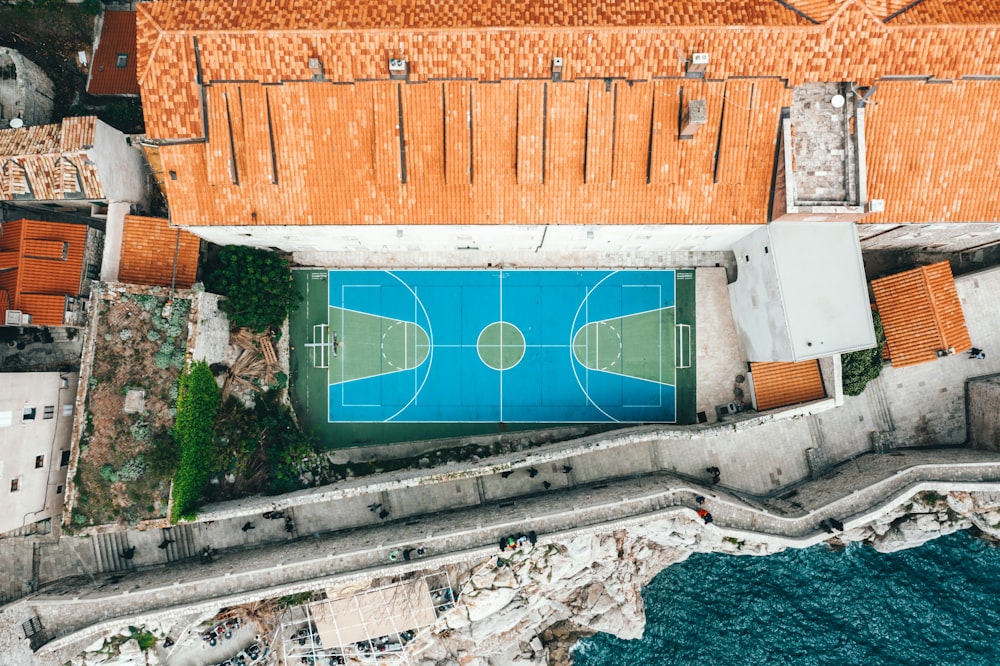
point(937, 604)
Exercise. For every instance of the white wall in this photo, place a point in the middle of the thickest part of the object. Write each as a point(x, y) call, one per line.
point(758, 306)
point(566, 246)
point(120, 167)
point(36, 498)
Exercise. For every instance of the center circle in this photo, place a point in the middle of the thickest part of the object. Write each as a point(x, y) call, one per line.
point(500, 345)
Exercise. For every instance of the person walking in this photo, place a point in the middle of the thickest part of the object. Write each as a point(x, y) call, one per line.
point(247, 526)
point(165, 543)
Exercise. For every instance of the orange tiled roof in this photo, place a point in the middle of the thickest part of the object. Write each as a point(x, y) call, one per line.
point(499, 136)
point(117, 37)
point(954, 12)
point(49, 162)
point(783, 384)
point(921, 314)
point(933, 151)
point(49, 266)
point(568, 153)
point(149, 247)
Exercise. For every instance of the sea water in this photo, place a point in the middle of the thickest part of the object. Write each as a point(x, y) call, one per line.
point(935, 604)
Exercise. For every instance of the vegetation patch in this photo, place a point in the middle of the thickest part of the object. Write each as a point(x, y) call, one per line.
point(860, 367)
point(257, 285)
point(197, 408)
point(127, 460)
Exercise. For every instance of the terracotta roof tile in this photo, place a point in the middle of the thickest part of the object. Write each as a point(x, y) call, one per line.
point(117, 37)
point(149, 248)
point(954, 12)
point(921, 314)
point(49, 162)
point(49, 266)
point(338, 158)
point(783, 384)
point(933, 151)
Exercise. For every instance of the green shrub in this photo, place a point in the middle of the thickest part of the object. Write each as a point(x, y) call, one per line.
point(79, 518)
point(197, 408)
point(108, 473)
point(860, 367)
point(153, 335)
point(257, 286)
point(162, 359)
point(133, 469)
point(125, 334)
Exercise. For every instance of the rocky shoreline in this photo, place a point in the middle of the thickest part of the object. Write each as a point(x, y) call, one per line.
point(534, 609)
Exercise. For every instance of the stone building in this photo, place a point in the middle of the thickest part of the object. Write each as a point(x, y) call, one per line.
point(26, 93)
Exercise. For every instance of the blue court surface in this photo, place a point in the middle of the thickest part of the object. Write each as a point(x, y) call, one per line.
point(552, 346)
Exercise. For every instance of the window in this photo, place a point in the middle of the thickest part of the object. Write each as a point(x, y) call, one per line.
point(49, 411)
point(39, 462)
point(28, 414)
point(15, 485)
point(121, 60)
point(64, 458)
point(67, 410)
point(58, 490)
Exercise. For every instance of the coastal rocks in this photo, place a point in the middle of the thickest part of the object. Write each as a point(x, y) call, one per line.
point(559, 592)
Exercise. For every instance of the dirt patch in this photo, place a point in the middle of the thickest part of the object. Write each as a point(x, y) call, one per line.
point(124, 471)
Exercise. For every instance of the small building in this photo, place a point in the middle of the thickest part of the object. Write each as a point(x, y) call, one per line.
point(36, 410)
point(784, 384)
point(112, 70)
point(156, 254)
point(45, 271)
point(26, 93)
point(800, 292)
point(921, 315)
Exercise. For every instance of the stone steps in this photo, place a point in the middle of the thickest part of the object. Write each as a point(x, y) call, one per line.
point(108, 548)
point(183, 546)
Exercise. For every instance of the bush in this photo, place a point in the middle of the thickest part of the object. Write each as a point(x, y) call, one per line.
point(197, 408)
point(860, 367)
point(132, 470)
point(257, 286)
point(108, 473)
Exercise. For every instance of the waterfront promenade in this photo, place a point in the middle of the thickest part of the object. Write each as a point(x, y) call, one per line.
point(459, 512)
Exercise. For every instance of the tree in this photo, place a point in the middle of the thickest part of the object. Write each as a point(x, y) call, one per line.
point(257, 286)
point(197, 407)
point(860, 367)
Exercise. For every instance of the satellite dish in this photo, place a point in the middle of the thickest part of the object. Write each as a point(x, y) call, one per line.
point(837, 101)
point(16, 123)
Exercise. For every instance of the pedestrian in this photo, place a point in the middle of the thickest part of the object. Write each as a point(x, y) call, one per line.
point(974, 352)
point(128, 553)
point(247, 526)
point(827, 527)
point(507, 473)
point(546, 484)
point(532, 537)
point(421, 551)
point(163, 544)
point(567, 469)
point(699, 499)
point(500, 563)
point(407, 552)
point(837, 525)
point(980, 356)
point(393, 555)
point(375, 506)
point(532, 472)
point(383, 514)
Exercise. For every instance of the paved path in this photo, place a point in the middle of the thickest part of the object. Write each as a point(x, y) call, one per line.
point(656, 471)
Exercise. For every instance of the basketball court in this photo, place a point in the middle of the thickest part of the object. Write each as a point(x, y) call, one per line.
point(494, 346)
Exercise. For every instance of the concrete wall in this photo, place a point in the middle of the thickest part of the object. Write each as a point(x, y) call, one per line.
point(943, 237)
point(480, 245)
point(39, 487)
point(121, 167)
point(757, 302)
point(983, 405)
point(28, 94)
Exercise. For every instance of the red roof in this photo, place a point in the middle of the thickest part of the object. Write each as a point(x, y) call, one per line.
point(46, 261)
point(149, 249)
point(117, 38)
point(783, 384)
point(490, 138)
point(921, 314)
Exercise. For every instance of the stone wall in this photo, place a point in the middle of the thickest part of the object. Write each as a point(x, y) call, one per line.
point(983, 405)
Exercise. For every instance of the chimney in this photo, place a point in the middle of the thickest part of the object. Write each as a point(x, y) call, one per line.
point(557, 68)
point(399, 69)
point(697, 65)
point(316, 67)
point(695, 115)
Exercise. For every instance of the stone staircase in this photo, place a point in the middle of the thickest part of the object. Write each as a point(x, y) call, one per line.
point(183, 546)
point(108, 548)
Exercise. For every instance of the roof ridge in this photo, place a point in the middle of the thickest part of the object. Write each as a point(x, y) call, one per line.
point(925, 275)
point(142, 67)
